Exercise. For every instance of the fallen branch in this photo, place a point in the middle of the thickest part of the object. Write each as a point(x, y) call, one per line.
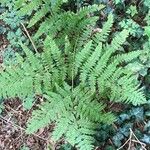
point(129, 141)
point(29, 37)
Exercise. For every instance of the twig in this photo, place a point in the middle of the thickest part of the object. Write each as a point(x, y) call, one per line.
point(111, 104)
point(123, 144)
point(12, 109)
point(29, 37)
point(138, 141)
point(114, 126)
point(130, 140)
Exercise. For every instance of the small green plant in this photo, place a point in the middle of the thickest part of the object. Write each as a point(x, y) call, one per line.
point(11, 25)
point(11, 29)
point(24, 148)
point(132, 26)
point(132, 10)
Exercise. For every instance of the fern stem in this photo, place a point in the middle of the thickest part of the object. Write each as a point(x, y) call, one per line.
point(73, 67)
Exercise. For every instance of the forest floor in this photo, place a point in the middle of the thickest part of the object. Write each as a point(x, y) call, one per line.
point(12, 129)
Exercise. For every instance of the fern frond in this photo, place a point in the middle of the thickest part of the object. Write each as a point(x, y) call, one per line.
point(102, 36)
point(20, 3)
point(82, 136)
point(132, 93)
point(51, 25)
point(13, 84)
point(103, 69)
point(61, 128)
point(85, 37)
point(89, 9)
point(54, 50)
point(39, 15)
point(119, 39)
point(128, 56)
point(93, 110)
point(31, 57)
point(40, 118)
point(28, 8)
point(101, 64)
point(90, 63)
point(81, 56)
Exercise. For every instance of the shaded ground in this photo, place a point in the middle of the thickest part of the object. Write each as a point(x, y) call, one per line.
point(12, 129)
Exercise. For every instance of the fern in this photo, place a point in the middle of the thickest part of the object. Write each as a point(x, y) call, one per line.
point(75, 110)
point(76, 81)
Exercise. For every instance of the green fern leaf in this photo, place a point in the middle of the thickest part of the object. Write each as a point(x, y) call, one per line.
point(102, 36)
